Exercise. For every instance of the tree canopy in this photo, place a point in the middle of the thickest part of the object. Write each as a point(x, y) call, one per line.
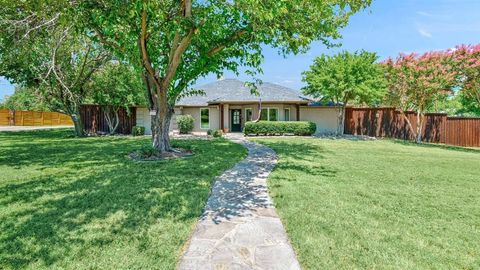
point(344, 78)
point(41, 48)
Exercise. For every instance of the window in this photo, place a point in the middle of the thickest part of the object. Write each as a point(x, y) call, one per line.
point(264, 115)
point(272, 114)
point(269, 114)
point(204, 118)
point(286, 111)
point(248, 114)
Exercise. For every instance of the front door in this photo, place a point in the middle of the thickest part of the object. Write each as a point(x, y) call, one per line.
point(236, 120)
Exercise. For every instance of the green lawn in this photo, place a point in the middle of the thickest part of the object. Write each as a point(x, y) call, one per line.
point(378, 204)
point(69, 203)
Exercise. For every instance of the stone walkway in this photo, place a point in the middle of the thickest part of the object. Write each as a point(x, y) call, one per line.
point(239, 228)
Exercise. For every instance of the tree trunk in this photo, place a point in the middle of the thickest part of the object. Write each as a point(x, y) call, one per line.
point(341, 120)
point(161, 128)
point(419, 127)
point(111, 116)
point(77, 123)
point(410, 126)
point(161, 121)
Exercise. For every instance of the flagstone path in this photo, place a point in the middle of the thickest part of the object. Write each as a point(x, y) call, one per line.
point(239, 228)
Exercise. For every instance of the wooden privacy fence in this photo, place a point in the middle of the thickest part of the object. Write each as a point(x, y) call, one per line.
point(94, 120)
point(6, 118)
point(462, 131)
point(31, 118)
point(438, 128)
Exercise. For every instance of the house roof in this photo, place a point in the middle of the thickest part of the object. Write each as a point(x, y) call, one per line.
point(233, 90)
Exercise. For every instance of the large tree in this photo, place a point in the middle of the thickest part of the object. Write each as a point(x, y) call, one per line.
point(41, 48)
point(416, 82)
point(345, 78)
point(177, 42)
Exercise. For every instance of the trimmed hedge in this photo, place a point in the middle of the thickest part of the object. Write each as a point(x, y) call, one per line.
point(298, 128)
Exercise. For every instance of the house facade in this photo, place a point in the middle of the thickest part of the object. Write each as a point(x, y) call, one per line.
point(228, 104)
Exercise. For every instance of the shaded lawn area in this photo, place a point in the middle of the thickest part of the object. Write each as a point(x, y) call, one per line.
point(70, 203)
point(378, 204)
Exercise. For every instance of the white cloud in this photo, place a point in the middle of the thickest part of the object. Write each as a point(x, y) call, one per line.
point(424, 33)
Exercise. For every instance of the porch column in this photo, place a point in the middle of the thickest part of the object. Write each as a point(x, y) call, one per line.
point(297, 107)
point(222, 117)
point(226, 123)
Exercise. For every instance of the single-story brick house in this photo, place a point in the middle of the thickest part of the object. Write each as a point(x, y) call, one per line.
point(228, 104)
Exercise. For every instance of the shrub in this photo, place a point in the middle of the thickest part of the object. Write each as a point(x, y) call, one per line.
point(215, 133)
point(147, 151)
point(299, 128)
point(138, 131)
point(185, 123)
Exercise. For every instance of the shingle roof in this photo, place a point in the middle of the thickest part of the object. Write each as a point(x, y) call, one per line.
point(233, 90)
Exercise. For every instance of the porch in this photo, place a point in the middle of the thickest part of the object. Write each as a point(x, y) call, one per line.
point(233, 116)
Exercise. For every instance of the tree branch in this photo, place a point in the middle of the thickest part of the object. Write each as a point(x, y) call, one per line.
point(82, 69)
point(212, 52)
point(187, 6)
point(54, 55)
point(103, 39)
point(177, 57)
point(147, 64)
point(48, 22)
point(235, 36)
point(179, 46)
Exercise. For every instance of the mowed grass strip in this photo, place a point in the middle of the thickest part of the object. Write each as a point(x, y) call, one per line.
point(80, 203)
point(378, 204)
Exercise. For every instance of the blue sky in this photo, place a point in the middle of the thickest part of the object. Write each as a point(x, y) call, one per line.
point(388, 27)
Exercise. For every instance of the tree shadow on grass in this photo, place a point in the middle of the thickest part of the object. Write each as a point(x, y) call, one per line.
point(301, 149)
point(316, 170)
point(46, 150)
point(99, 196)
point(299, 157)
point(28, 135)
point(438, 146)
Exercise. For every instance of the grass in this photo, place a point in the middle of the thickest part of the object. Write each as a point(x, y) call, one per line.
point(79, 203)
point(378, 204)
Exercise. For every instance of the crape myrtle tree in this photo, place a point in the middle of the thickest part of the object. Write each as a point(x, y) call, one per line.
point(344, 78)
point(41, 49)
point(467, 58)
point(416, 82)
point(177, 42)
point(116, 85)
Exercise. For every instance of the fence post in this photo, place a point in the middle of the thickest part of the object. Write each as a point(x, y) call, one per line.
point(11, 121)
